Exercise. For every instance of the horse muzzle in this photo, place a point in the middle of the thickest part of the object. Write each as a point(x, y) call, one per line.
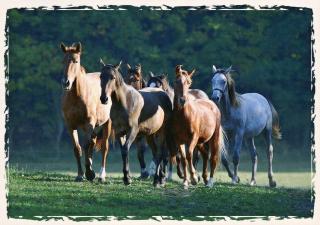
point(66, 84)
point(104, 100)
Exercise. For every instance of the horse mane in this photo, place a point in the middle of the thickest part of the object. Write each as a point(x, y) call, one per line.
point(82, 72)
point(233, 95)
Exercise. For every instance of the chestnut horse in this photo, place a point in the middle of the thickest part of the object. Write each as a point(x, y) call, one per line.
point(161, 81)
point(82, 109)
point(133, 113)
point(195, 123)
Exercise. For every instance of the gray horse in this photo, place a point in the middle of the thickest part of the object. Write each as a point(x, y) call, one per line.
point(244, 116)
point(135, 113)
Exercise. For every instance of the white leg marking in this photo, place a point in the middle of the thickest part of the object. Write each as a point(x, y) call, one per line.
point(102, 173)
point(210, 182)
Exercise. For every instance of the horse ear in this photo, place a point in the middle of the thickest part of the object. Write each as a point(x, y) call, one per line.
point(63, 47)
point(118, 65)
point(178, 69)
point(102, 63)
point(214, 69)
point(192, 72)
point(78, 47)
point(128, 66)
point(151, 74)
point(139, 68)
point(229, 70)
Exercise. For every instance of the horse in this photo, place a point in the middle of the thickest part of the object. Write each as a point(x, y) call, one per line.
point(145, 112)
point(135, 79)
point(82, 109)
point(195, 123)
point(161, 81)
point(244, 116)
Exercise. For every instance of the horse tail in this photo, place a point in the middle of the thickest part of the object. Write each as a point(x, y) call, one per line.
point(275, 123)
point(223, 140)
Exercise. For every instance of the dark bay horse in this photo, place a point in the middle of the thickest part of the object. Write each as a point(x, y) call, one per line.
point(82, 109)
point(244, 116)
point(195, 123)
point(161, 81)
point(145, 112)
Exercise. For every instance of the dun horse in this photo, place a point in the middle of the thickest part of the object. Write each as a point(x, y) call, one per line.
point(244, 117)
point(195, 123)
point(161, 81)
point(82, 109)
point(135, 79)
point(134, 113)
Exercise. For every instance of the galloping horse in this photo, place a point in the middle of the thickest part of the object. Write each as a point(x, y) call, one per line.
point(244, 117)
point(82, 108)
point(195, 123)
point(145, 112)
point(161, 81)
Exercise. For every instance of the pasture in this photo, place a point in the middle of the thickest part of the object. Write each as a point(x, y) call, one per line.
point(42, 186)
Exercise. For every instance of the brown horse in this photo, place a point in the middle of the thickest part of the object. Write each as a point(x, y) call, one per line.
point(161, 81)
point(133, 113)
point(82, 109)
point(195, 123)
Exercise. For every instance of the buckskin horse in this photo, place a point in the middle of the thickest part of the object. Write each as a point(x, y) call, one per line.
point(244, 116)
point(145, 112)
point(82, 109)
point(195, 123)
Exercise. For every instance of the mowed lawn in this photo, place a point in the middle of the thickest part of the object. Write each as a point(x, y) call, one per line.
point(46, 187)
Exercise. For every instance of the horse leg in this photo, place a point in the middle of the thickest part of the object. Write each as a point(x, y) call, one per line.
point(268, 136)
point(205, 155)
point(195, 159)
point(141, 148)
point(189, 154)
point(179, 172)
point(254, 159)
point(183, 158)
point(156, 159)
point(214, 147)
point(90, 174)
point(125, 154)
point(77, 153)
point(236, 155)
point(104, 150)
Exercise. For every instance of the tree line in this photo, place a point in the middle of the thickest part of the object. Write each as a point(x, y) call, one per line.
point(270, 49)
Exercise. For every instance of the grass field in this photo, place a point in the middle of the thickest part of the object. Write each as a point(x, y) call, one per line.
point(44, 186)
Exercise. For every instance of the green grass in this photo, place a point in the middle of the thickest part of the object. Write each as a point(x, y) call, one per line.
point(50, 194)
point(42, 185)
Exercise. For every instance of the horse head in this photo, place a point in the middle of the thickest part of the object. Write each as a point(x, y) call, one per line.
point(182, 84)
point(71, 63)
point(134, 77)
point(110, 79)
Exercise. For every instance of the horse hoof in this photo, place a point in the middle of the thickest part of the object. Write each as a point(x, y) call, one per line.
point(144, 175)
point(194, 181)
point(90, 175)
point(235, 180)
point(253, 183)
point(185, 185)
point(102, 180)
point(205, 181)
point(127, 180)
point(272, 184)
point(79, 179)
point(210, 183)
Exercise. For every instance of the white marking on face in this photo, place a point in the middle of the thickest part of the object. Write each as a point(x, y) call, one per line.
point(153, 85)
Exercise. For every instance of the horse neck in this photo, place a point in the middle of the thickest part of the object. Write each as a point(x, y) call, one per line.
point(225, 105)
point(119, 95)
